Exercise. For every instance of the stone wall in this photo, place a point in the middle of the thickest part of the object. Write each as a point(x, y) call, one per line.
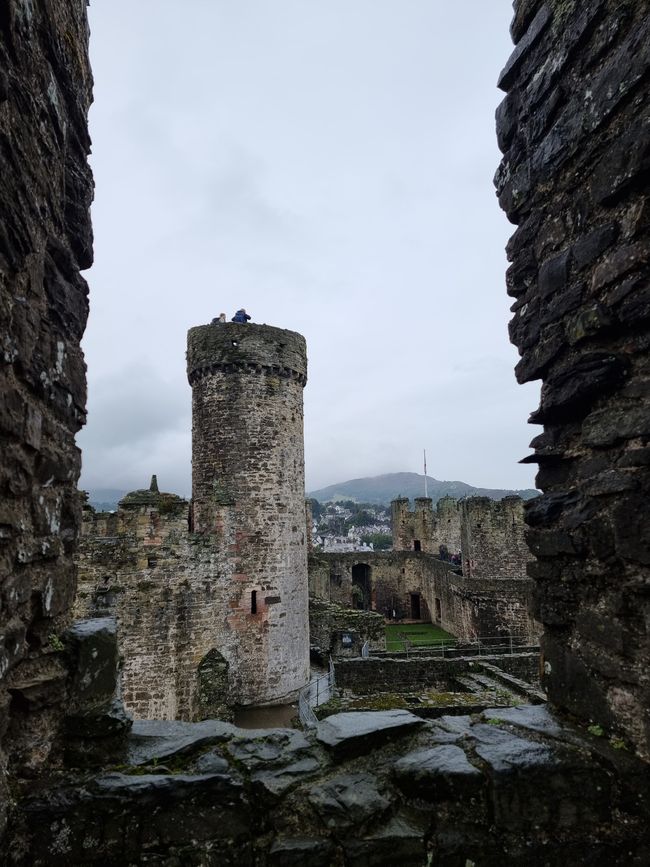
point(472, 609)
point(493, 544)
point(367, 676)
point(412, 530)
point(168, 591)
point(508, 786)
point(466, 607)
point(45, 240)
point(394, 576)
point(386, 674)
point(338, 631)
point(446, 525)
point(248, 497)
point(574, 129)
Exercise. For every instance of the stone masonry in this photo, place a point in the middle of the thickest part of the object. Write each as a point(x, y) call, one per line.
point(45, 240)
point(507, 786)
point(168, 591)
point(212, 605)
point(492, 538)
point(574, 129)
point(446, 525)
point(466, 607)
point(412, 530)
point(248, 498)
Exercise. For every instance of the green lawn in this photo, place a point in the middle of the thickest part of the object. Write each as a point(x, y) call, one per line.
point(419, 634)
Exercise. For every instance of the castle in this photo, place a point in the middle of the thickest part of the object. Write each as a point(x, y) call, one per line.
point(526, 785)
point(211, 597)
point(488, 594)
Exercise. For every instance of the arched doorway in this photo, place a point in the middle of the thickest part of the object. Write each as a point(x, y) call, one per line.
point(361, 573)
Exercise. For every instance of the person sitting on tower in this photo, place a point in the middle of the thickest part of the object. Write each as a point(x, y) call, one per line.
point(219, 319)
point(241, 316)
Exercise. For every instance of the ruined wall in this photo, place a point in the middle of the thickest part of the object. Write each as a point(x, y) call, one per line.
point(472, 609)
point(248, 497)
point(329, 623)
point(412, 530)
point(168, 591)
point(493, 544)
point(574, 129)
point(45, 239)
point(468, 608)
point(394, 576)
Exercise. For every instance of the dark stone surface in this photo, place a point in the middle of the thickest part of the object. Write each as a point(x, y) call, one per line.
point(160, 741)
point(45, 240)
point(349, 800)
point(574, 128)
point(93, 647)
point(515, 787)
point(438, 774)
point(358, 733)
point(301, 852)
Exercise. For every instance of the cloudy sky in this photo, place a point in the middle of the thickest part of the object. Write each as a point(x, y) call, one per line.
point(328, 165)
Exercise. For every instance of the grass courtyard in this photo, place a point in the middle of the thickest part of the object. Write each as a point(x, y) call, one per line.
point(418, 634)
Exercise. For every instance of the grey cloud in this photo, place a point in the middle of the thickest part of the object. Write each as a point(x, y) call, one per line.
point(328, 166)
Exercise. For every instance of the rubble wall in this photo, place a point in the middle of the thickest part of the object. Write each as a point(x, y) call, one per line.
point(472, 609)
point(574, 129)
point(45, 240)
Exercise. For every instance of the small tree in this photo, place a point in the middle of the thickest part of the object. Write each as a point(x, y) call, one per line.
point(379, 541)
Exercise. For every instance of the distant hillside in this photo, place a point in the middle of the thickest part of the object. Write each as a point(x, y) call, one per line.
point(383, 489)
point(105, 499)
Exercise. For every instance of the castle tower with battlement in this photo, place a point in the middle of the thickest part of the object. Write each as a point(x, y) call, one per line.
point(412, 531)
point(248, 498)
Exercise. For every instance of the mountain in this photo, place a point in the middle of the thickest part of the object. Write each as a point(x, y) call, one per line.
point(383, 489)
point(105, 499)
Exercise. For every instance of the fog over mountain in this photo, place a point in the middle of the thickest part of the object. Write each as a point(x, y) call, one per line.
point(383, 489)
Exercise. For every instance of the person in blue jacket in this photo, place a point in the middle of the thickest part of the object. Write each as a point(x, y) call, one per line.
point(240, 316)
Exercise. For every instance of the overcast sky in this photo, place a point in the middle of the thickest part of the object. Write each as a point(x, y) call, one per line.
point(328, 165)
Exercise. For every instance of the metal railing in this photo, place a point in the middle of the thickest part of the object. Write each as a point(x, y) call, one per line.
point(318, 691)
point(482, 646)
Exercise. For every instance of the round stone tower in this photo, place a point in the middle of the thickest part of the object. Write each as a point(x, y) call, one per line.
point(248, 499)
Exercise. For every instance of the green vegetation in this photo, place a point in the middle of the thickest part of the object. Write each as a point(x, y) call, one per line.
point(415, 634)
point(55, 642)
point(596, 730)
point(379, 541)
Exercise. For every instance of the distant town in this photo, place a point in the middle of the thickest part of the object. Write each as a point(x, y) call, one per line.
point(348, 526)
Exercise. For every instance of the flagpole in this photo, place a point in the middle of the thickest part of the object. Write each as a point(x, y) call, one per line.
point(425, 473)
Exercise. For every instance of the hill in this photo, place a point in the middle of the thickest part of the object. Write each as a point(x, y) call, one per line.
point(383, 489)
point(105, 499)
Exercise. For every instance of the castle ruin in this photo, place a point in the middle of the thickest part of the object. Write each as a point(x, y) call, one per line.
point(248, 497)
point(487, 594)
point(211, 603)
point(524, 785)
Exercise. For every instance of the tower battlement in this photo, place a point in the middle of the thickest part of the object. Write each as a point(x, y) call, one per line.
point(235, 348)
